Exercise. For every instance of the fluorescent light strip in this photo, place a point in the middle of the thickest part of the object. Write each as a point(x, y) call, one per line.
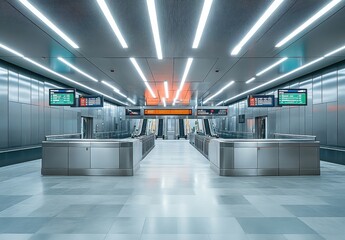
point(111, 86)
point(272, 66)
point(275, 79)
point(130, 100)
point(219, 92)
point(51, 25)
point(166, 89)
point(154, 25)
point(103, 5)
point(136, 65)
point(202, 22)
point(11, 50)
point(310, 21)
point(220, 103)
point(335, 51)
point(62, 76)
point(77, 69)
point(257, 25)
point(250, 80)
point(164, 102)
point(185, 73)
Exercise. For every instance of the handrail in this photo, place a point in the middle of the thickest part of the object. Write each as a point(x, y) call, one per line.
point(59, 136)
point(19, 149)
point(333, 148)
point(297, 136)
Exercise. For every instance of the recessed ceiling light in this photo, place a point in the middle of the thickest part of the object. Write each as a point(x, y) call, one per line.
point(310, 21)
point(166, 89)
point(272, 66)
point(154, 25)
point(103, 5)
point(202, 22)
point(46, 21)
point(250, 80)
point(184, 77)
point(335, 51)
point(219, 92)
point(77, 69)
point(257, 25)
point(136, 66)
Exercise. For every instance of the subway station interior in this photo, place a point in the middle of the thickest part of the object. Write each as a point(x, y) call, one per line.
point(172, 119)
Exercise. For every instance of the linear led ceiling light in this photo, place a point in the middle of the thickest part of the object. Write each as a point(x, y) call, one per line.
point(202, 22)
point(272, 66)
point(184, 77)
point(154, 25)
point(310, 21)
point(114, 88)
point(335, 51)
point(219, 92)
point(256, 26)
point(136, 66)
point(46, 21)
point(275, 79)
point(103, 5)
point(164, 102)
point(250, 80)
point(58, 74)
point(132, 101)
point(77, 69)
point(166, 89)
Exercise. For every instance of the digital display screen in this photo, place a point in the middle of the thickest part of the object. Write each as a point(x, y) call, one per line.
point(133, 112)
point(90, 101)
point(168, 111)
point(241, 118)
point(61, 97)
point(292, 97)
point(212, 112)
point(261, 101)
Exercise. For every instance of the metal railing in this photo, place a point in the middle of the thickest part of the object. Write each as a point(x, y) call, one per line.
point(63, 136)
point(237, 135)
point(111, 135)
point(294, 136)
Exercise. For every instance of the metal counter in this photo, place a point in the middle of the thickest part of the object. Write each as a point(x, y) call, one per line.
point(271, 157)
point(94, 156)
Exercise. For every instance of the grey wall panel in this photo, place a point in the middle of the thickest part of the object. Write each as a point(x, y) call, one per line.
point(341, 107)
point(13, 86)
point(34, 92)
point(26, 124)
point(15, 124)
point(301, 120)
point(317, 93)
point(47, 121)
point(55, 121)
point(34, 125)
point(332, 124)
point(309, 120)
point(3, 108)
point(285, 120)
point(319, 122)
point(329, 87)
point(294, 120)
point(24, 89)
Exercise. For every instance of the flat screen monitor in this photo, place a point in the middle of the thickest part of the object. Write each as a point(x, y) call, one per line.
point(212, 112)
point(261, 101)
point(292, 97)
point(160, 112)
point(133, 111)
point(61, 97)
point(91, 101)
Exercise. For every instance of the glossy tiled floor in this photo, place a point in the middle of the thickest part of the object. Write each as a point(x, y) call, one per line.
point(174, 195)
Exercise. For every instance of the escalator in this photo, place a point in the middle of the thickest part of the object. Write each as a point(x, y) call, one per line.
point(160, 129)
point(182, 133)
point(143, 129)
point(207, 127)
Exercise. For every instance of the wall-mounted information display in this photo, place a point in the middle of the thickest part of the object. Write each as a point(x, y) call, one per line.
point(91, 101)
point(261, 101)
point(133, 111)
point(168, 111)
point(212, 112)
point(61, 97)
point(241, 118)
point(292, 97)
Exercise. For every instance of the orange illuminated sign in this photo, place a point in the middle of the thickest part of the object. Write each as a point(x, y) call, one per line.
point(168, 111)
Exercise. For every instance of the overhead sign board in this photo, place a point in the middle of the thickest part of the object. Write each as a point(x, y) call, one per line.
point(292, 97)
point(168, 112)
point(61, 97)
point(90, 101)
point(212, 112)
point(133, 111)
point(261, 101)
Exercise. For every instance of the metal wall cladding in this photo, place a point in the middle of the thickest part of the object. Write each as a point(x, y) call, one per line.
point(15, 124)
point(317, 93)
point(341, 107)
point(24, 84)
point(13, 86)
point(329, 87)
point(3, 108)
point(332, 123)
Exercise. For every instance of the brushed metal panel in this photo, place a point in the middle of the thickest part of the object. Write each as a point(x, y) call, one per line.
point(317, 94)
point(100, 172)
point(329, 87)
point(104, 157)
point(288, 157)
point(53, 171)
point(268, 172)
point(319, 122)
point(341, 107)
point(238, 172)
point(294, 120)
point(34, 125)
point(15, 124)
point(309, 120)
point(301, 121)
point(79, 157)
point(268, 157)
point(226, 158)
point(309, 158)
point(126, 158)
point(289, 172)
point(26, 124)
point(13, 86)
point(55, 121)
point(285, 121)
point(245, 157)
point(55, 157)
point(47, 121)
point(332, 123)
point(4, 108)
point(34, 92)
point(24, 89)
